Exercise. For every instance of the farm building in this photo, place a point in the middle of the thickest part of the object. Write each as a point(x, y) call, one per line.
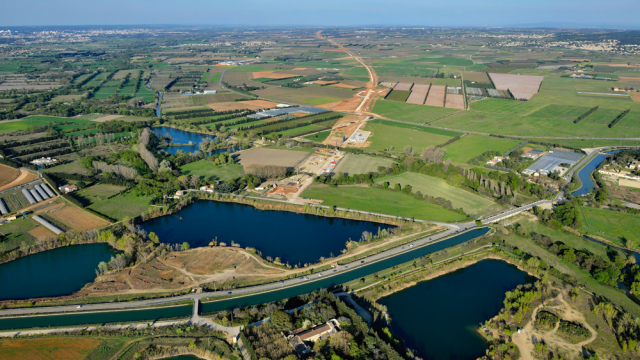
point(533, 154)
point(68, 188)
point(549, 162)
point(47, 224)
point(298, 338)
point(207, 188)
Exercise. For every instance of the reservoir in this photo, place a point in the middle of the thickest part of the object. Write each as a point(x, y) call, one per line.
point(439, 317)
point(181, 137)
point(57, 272)
point(294, 238)
point(249, 300)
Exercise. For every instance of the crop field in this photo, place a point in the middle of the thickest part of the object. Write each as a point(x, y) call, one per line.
point(307, 129)
point(410, 112)
point(75, 218)
point(470, 146)
point(271, 157)
point(98, 192)
point(611, 225)
point(104, 92)
point(471, 203)
point(8, 175)
point(398, 95)
point(210, 172)
point(454, 102)
point(67, 348)
point(322, 100)
point(436, 96)
point(40, 120)
point(305, 120)
point(214, 98)
point(121, 206)
point(480, 77)
point(361, 164)
point(398, 135)
point(69, 168)
point(380, 201)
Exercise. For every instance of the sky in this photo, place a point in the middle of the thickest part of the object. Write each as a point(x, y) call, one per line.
point(480, 13)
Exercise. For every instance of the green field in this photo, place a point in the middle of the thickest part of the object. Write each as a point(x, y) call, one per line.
point(398, 95)
point(319, 137)
point(322, 100)
point(16, 232)
point(615, 226)
point(69, 168)
point(473, 204)
point(212, 172)
point(121, 206)
point(470, 146)
point(381, 201)
point(410, 112)
point(361, 164)
point(97, 193)
point(388, 133)
point(40, 120)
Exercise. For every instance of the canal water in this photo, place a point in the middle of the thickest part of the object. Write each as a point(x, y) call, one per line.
point(250, 300)
point(585, 173)
point(439, 317)
point(294, 238)
point(57, 272)
point(181, 137)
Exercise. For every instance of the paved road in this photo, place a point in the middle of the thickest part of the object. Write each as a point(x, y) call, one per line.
point(515, 211)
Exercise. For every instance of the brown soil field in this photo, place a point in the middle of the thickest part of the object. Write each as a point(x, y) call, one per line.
point(349, 105)
point(23, 178)
point(77, 219)
point(436, 96)
point(107, 118)
point(284, 190)
point(41, 232)
point(620, 65)
point(635, 96)
point(341, 85)
point(67, 348)
point(8, 174)
point(232, 105)
point(624, 79)
point(299, 68)
point(271, 157)
point(454, 101)
point(475, 76)
point(261, 103)
point(323, 82)
point(300, 114)
point(271, 75)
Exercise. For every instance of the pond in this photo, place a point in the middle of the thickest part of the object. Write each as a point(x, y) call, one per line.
point(244, 301)
point(294, 238)
point(439, 317)
point(57, 272)
point(181, 137)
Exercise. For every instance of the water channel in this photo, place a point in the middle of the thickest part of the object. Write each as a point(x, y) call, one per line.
point(250, 300)
point(439, 317)
point(57, 272)
point(585, 173)
point(294, 238)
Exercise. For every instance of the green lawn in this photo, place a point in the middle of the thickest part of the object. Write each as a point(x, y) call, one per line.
point(97, 193)
point(319, 137)
point(388, 133)
point(611, 225)
point(470, 146)
point(212, 172)
point(471, 203)
point(381, 201)
point(119, 207)
point(322, 100)
point(361, 164)
point(410, 112)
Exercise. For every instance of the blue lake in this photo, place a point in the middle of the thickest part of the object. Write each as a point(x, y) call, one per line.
point(294, 238)
point(57, 272)
point(439, 318)
point(181, 137)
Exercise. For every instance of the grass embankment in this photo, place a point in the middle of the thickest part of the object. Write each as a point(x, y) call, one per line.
point(381, 201)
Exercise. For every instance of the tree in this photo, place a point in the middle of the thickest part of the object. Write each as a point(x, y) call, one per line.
point(153, 237)
point(408, 150)
point(185, 246)
point(281, 321)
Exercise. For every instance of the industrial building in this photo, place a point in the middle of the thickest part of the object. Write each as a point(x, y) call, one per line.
point(552, 160)
point(287, 111)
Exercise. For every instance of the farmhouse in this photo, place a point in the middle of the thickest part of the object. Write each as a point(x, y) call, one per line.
point(68, 188)
point(533, 154)
point(633, 165)
point(44, 161)
point(495, 160)
point(207, 188)
point(298, 337)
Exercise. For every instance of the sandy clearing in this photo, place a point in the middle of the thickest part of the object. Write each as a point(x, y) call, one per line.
point(8, 175)
point(24, 177)
point(41, 232)
point(635, 96)
point(232, 105)
point(341, 85)
point(107, 118)
point(298, 68)
point(262, 156)
point(261, 103)
point(78, 220)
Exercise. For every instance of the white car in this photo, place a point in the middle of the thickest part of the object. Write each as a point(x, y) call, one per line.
point(79, 306)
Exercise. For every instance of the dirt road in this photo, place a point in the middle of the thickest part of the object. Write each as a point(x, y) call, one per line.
point(373, 78)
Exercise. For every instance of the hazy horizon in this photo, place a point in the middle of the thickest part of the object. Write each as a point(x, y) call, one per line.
point(464, 13)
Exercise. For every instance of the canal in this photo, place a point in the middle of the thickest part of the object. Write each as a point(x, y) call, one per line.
point(56, 272)
point(439, 318)
point(250, 300)
point(294, 238)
